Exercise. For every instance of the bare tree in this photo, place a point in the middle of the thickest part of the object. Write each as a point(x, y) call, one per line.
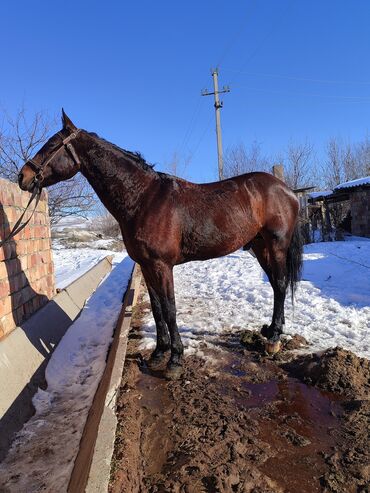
point(360, 165)
point(238, 160)
point(73, 197)
point(333, 168)
point(104, 223)
point(346, 161)
point(299, 167)
point(176, 165)
point(20, 138)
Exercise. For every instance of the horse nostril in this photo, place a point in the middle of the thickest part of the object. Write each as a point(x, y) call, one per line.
point(20, 178)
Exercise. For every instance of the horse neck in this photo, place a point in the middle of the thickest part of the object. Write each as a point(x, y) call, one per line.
point(119, 181)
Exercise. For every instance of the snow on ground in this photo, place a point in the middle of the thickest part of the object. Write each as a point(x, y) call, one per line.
point(332, 304)
point(71, 263)
point(332, 308)
point(42, 456)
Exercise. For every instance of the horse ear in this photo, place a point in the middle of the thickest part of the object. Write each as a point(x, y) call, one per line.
point(67, 122)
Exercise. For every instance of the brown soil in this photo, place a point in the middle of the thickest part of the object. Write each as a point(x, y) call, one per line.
point(239, 421)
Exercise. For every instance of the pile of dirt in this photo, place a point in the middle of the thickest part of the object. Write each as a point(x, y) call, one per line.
point(335, 370)
point(295, 342)
point(347, 376)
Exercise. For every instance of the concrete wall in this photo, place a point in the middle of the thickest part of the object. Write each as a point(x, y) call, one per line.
point(25, 352)
point(26, 263)
point(360, 211)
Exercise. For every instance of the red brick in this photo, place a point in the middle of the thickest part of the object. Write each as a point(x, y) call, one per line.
point(23, 262)
point(6, 305)
point(4, 288)
point(21, 247)
point(3, 270)
point(7, 324)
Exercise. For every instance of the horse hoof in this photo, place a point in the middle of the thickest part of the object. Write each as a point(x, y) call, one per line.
point(272, 347)
point(173, 372)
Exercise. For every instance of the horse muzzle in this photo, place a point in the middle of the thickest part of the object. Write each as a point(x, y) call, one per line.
point(27, 182)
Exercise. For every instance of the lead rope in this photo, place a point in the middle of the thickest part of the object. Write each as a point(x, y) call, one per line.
point(36, 192)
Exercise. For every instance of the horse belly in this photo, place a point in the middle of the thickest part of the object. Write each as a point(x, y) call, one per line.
point(212, 239)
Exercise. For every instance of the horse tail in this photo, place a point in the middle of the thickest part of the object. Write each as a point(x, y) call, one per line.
point(294, 260)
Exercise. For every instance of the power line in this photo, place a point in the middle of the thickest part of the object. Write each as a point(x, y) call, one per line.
point(201, 138)
point(265, 38)
point(191, 125)
point(303, 79)
point(225, 52)
point(234, 38)
point(322, 96)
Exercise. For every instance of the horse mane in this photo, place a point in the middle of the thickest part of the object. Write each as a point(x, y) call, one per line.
point(137, 157)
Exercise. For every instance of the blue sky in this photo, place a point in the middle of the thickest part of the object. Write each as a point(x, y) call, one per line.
point(133, 71)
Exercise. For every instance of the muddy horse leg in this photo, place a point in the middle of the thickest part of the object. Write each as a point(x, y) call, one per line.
point(159, 279)
point(271, 255)
point(163, 337)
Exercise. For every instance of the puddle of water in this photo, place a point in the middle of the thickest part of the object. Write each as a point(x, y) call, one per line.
point(298, 426)
point(156, 406)
point(300, 434)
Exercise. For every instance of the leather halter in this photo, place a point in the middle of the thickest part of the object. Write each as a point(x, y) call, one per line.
point(66, 142)
point(39, 176)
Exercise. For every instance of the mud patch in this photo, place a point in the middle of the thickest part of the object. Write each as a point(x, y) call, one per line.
point(241, 421)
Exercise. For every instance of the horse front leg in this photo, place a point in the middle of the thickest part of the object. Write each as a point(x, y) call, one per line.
point(159, 277)
point(163, 338)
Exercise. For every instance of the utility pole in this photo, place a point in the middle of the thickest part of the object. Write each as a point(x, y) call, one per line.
point(218, 105)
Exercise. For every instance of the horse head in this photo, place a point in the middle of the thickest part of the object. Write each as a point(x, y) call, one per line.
point(56, 160)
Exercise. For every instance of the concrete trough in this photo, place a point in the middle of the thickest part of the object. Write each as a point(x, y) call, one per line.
point(91, 469)
point(25, 352)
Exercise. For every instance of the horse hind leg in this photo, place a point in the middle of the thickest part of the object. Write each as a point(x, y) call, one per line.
point(271, 253)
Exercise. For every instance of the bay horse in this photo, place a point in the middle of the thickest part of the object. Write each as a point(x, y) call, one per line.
point(166, 221)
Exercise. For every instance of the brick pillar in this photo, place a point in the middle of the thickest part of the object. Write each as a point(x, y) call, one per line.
point(278, 171)
point(26, 263)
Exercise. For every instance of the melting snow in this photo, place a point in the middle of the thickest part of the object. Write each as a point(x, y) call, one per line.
point(332, 304)
point(71, 263)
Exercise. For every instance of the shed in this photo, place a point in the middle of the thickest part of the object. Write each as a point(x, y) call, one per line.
point(354, 193)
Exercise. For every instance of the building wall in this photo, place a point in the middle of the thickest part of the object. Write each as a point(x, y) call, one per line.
point(26, 263)
point(360, 212)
